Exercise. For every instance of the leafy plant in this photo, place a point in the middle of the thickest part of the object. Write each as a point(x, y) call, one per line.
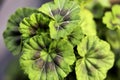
point(64, 40)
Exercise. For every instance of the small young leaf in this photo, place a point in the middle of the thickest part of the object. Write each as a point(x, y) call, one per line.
point(35, 24)
point(44, 59)
point(96, 59)
point(112, 19)
point(12, 36)
point(107, 19)
point(65, 14)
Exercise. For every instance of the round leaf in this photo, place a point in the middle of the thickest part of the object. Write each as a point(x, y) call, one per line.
point(96, 59)
point(65, 14)
point(12, 36)
point(36, 24)
point(44, 59)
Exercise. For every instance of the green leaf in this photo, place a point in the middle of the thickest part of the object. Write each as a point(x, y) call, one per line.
point(96, 59)
point(112, 19)
point(113, 37)
point(115, 11)
point(87, 23)
point(97, 7)
point(44, 59)
point(104, 3)
point(75, 36)
point(107, 19)
point(83, 2)
point(65, 14)
point(12, 36)
point(35, 24)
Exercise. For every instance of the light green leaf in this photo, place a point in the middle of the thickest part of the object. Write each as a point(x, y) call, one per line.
point(35, 24)
point(104, 3)
point(65, 14)
point(87, 23)
point(112, 19)
point(96, 59)
point(44, 59)
point(12, 36)
point(107, 19)
point(115, 11)
point(83, 3)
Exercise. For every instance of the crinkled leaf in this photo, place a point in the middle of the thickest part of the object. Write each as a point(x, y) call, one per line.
point(112, 19)
point(12, 36)
point(44, 59)
point(96, 59)
point(36, 24)
point(87, 23)
point(107, 19)
point(65, 14)
point(75, 36)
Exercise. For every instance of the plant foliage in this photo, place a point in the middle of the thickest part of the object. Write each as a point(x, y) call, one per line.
point(65, 37)
point(11, 35)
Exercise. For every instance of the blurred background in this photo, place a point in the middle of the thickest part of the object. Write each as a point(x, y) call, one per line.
point(8, 63)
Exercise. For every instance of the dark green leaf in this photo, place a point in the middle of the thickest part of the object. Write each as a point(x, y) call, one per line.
point(75, 36)
point(12, 36)
point(35, 24)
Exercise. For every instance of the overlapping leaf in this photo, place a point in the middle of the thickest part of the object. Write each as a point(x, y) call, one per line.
point(12, 36)
point(65, 14)
point(75, 36)
point(112, 19)
point(96, 59)
point(44, 59)
point(36, 24)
